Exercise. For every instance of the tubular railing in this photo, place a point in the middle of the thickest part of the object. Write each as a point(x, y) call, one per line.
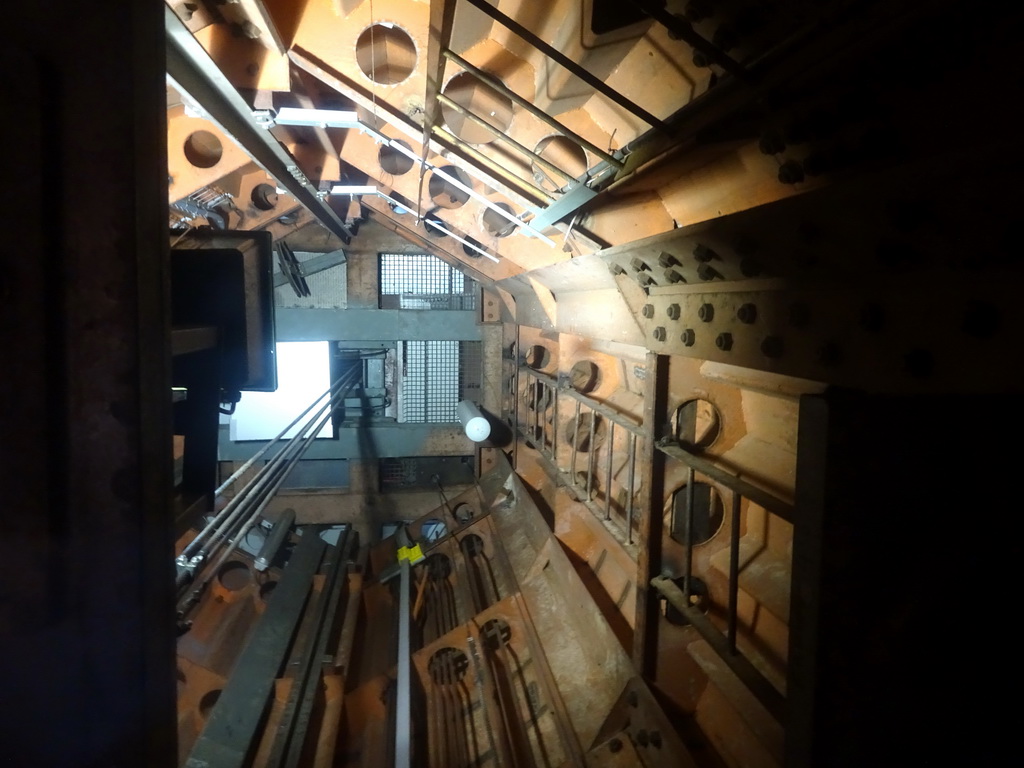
point(681, 599)
point(585, 472)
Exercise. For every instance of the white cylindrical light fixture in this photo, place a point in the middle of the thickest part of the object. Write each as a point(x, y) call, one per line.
point(477, 427)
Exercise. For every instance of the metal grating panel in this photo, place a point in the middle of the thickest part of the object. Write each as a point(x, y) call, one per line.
point(435, 376)
point(422, 472)
point(422, 281)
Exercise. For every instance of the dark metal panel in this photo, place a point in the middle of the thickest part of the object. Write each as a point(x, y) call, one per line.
point(86, 612)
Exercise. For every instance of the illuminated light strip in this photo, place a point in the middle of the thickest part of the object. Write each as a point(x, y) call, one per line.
point(321, 118)
point(344, 189)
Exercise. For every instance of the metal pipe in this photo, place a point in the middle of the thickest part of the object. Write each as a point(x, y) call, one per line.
point(762, 498)
point(493, 168)
point(608, 473)
point(403, 699)
point(591, 452)
point(281, 477)
point(734, 568)
point(689, 533)
point(226, 518)
point(241, 470)
point(748, 674)
point(485, 169)
point(629, 501)
point(575, 442)
point(533, 110)
point(504, 137)
point(601, 409)
point(557, 56)
point(277, 537)
point(218, 522)
point(554, 425)
point(266, 493)
point(434, 223)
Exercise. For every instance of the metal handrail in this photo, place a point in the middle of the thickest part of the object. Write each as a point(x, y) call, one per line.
point(724, 645)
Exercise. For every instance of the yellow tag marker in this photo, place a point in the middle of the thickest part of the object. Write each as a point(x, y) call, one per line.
point(413, 554)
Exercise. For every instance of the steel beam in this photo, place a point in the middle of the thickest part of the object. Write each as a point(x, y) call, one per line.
point(227, 739)
point(86, 605)
point(191, 68)
point(294, 724)
point(652, 482)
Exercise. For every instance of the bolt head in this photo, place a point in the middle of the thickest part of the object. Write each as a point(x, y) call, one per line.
point(638, 264)
point(724, 341)
point(703, 254)
point(706, 313)
point(674, 312)
point(747, 313)
point(648, 310)
point(688, 337)
point(707, 273)
point(667, 260)
point(660, 334)
point(674, 277)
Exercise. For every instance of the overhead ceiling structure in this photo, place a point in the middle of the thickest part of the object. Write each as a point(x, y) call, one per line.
point(742, 286)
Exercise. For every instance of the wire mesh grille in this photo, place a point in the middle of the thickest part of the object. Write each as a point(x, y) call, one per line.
point(423, 281)
point(435, 376)
point(398, 473)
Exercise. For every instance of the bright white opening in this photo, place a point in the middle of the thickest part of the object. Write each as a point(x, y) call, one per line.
point(303, 372)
